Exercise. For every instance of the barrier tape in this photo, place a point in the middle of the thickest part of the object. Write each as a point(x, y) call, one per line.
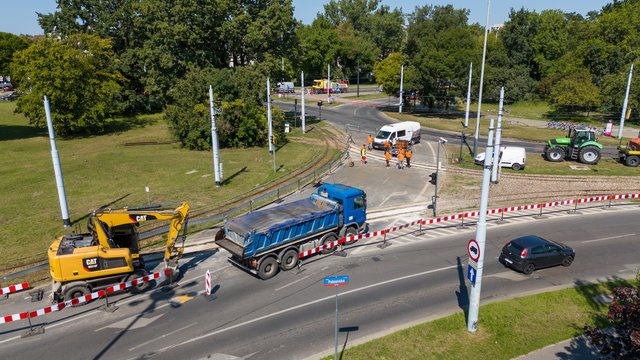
point(83, 299)
point(14, 288)
point(467, 214)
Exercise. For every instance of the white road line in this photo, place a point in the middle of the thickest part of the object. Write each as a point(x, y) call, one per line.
point(608, 238)
point(277, 313)
point(162, 336)
point(123, 302)
point(291, 283)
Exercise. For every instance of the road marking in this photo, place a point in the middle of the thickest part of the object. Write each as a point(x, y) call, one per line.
point(123, 302)
point(162, 336)
point(184, 298)
point(330, 297)
point(291, 283)
point(131, 323)
point(392, 194)
point(608, 238)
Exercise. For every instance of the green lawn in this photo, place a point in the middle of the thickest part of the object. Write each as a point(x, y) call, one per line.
point(104, 170)
point(506, 329)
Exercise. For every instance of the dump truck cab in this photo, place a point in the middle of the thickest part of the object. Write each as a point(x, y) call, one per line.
point(353, 202)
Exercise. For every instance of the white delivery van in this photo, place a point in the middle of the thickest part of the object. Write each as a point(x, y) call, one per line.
point(510, 156)
point(406, 130)
point(286, 87)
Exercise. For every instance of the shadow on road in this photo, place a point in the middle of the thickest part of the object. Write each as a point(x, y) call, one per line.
point(462, 293)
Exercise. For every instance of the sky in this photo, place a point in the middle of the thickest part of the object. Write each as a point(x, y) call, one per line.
point(19, 16)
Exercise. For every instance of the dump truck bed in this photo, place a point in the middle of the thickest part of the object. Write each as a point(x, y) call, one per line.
point(259, 231)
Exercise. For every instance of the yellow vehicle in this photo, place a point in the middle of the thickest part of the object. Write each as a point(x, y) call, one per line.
point(630, 154)
point(110, 253)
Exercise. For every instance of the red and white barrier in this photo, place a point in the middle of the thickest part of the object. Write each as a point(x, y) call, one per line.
point(466, 215)
point(83, 299)
point(14, 288)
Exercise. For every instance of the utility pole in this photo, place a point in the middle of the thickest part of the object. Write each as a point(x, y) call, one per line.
point(484, 56)
point(497, 152)
point(214, 139)
point(358, 88)
point(481, 235)
point(435, 178)
point(57, 169)
point(328, 80)
point(401, 83)
point(302, 94)
point(466, 114)
point(624, 104)
point(270, 134)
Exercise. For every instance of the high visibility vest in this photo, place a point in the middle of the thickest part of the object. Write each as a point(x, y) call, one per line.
point(408, 154)
point(363, 152)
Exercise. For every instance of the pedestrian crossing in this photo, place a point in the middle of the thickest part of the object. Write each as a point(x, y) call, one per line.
point(416, 234)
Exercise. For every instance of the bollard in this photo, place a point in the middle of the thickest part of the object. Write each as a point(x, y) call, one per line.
point(108, 307)
point(420, 229)
point(384, 240)
point(32, 330)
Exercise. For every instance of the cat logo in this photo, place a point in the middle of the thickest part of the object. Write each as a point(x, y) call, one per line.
point(141, 218)
point(91, 263)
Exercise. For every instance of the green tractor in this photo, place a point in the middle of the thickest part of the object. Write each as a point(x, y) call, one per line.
point(580, 144)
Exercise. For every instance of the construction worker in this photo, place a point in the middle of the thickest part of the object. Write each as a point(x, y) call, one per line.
point(401, 159)
point(387, 145)
point(363, 153)
point(370, 142)
point(408, 155)
point(387, 156)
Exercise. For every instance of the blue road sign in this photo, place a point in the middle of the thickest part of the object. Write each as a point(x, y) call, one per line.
point(471, 274)
point(336, 280)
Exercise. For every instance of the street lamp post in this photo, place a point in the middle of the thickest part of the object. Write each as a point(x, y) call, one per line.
point(435, 177)
point(358, 87)
point(484, 56)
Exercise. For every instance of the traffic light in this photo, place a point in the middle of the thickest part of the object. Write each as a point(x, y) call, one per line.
point(433, 178)
point(320, 103)
point(271, 139)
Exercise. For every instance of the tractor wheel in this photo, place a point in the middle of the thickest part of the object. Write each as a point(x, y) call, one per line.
point(632, 161)
point(589, 155)
point(555, 154)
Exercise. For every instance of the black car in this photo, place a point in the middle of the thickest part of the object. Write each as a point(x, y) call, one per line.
point(531, 252)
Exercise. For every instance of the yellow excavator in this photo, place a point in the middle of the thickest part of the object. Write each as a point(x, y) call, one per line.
point(110, 252)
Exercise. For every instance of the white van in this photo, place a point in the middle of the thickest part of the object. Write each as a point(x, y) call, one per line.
point(406, 130)
point(286, 87)
point(510, 156)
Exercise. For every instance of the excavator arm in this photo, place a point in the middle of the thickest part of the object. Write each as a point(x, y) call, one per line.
point(103, 221)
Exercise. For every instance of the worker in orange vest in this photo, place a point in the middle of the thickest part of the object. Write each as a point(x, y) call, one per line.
point(387, 145)
point(370, 142)
point(408, 155)
point(401, 159)
point(387, 156)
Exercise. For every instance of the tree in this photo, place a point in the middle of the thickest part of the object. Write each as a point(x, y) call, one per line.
point(517, 38)
point(242, 121)
point(576, 90)
point(387, 73)
point(9, 44)
point(622, 340)
point(78, 76)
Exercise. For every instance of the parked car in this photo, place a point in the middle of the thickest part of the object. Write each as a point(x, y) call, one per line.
point(510, 157)
point(7, 87)
point(531, 252)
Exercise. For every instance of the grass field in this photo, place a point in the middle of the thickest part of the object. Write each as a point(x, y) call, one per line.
point(506, 329)
point(104, 170)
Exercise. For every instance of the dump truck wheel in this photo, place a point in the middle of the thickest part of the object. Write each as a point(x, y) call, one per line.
point(140, 287)
point(632, 161)
point(268, 268)
point(289, 260)
point(327, 239)
point(76, 291)
point(589, 155)
point(555, 154)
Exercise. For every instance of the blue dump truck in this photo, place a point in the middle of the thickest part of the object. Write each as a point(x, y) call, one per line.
point(264, 241)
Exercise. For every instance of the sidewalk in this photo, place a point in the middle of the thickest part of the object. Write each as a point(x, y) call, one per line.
point(576, 348)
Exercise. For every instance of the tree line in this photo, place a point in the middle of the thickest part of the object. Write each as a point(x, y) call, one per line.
point(106, 58)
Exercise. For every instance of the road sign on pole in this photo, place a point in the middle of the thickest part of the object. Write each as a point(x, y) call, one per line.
point(473, 249)
point(471, 274)
point(335, 281)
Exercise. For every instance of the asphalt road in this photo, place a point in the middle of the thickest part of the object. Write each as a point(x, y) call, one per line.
point(292, 315)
